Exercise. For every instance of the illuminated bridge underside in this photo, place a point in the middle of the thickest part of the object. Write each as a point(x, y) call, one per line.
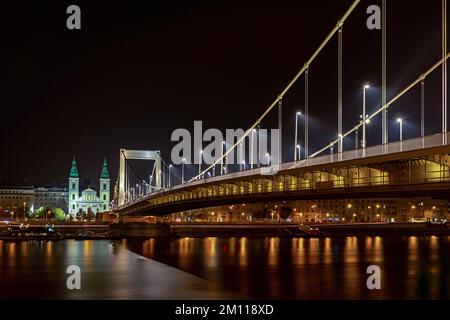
point(423, 172)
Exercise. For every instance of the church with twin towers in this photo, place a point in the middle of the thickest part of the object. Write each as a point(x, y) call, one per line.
point(88, 200)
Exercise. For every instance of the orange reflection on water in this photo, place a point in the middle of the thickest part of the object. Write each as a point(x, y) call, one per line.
point(273, 251)
point(11, 251)
point(413, 248)
point(313, 251)
point(148, 247)
point(351, 250)
point(243, 257)
point(232, 249)
point(351, 272)
point(210, 257)
point(298, 251)
point(184, 247)
point(327, 251)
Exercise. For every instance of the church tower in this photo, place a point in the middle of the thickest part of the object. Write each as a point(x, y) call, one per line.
point(104, 187)
point(74, 181)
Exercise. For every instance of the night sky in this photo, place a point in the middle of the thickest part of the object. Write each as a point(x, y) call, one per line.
point(135, 73)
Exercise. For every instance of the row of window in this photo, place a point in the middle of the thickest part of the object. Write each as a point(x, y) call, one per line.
point(89, 197)
point(105, 186)
point(104, 207)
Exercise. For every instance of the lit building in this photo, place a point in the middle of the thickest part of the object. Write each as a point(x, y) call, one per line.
point(16, 201)
point(88, 200)
point(50, 198)
point(27, 199)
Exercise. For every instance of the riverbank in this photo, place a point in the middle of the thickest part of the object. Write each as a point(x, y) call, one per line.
point(306, 231)
point(155, 230)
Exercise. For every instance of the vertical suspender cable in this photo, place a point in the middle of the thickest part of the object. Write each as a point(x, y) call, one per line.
point(384, 115)
point(306, 111)
point(422, 108)
point(340, 147)
point(280, 129)
point(444, 66)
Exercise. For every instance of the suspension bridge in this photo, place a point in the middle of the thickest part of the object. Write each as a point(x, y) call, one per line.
point(419, 166)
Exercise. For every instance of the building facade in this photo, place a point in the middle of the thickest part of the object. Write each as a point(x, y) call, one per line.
point(21, 201)
point(88, 200)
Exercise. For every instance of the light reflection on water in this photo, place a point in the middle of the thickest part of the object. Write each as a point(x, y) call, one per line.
point(329, 268)
point(37, 270)
point(266, 268)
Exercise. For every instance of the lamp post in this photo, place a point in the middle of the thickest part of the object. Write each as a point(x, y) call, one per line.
point(400, 122)
point(268, 159)
point(200, 162)
point(182, 170)
point(297, 115)
point(251, 148)
point(170, 167)
point(299, 149)
point(222, 163)
point(243, 165)
point(364, 116)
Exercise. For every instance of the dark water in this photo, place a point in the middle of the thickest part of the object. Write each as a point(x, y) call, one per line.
point(281, 268)
point(210, 268)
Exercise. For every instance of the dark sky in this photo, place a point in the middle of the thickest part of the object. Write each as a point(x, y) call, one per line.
point(135, 73)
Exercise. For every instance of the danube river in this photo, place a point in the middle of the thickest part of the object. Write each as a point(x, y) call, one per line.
point(228, 268)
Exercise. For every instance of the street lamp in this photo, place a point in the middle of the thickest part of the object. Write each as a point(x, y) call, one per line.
point(200, 162)
point(243, 165)
point(182, 170)
point(268, 159)
point(400, 122)
point(364, 116)
point(349, 206)
point(222, 166)
point(251, 148)
point(299, 152)
point(170, 167)
point(297, 115)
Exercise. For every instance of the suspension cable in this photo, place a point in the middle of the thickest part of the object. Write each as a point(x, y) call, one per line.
point(286, 89)
point(388, 104)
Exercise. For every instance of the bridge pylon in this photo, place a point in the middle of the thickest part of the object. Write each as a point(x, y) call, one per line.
point(125, 155)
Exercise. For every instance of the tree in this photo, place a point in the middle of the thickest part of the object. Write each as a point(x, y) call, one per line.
point(40, 213)
point(59, 214)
